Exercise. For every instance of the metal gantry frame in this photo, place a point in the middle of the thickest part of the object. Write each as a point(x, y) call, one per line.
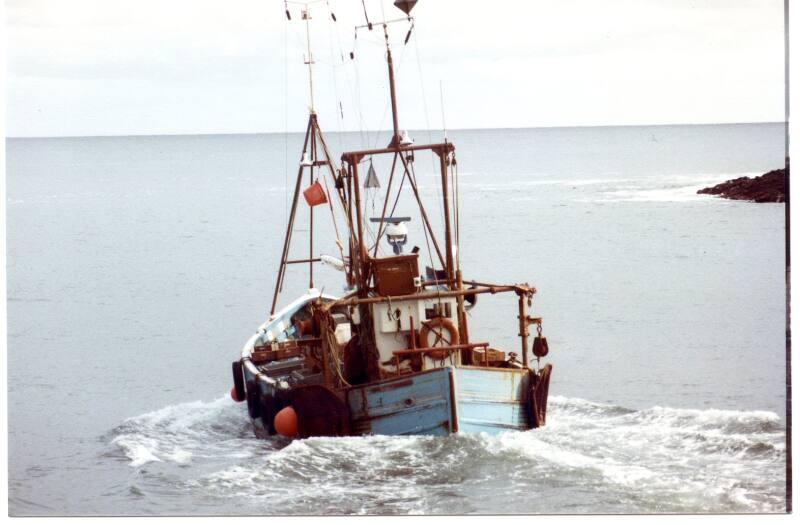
point(348, 189)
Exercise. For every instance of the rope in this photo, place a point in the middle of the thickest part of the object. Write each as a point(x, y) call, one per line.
point(333, 217)
point(333, 347)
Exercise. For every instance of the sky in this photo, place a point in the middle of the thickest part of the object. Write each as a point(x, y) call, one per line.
point(130, 67)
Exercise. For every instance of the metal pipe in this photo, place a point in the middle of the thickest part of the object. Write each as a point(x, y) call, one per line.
point(290, 223)
point(311, 212)
point(463, 331)
point(393, 94)
point(351, 301)
point(523, 328)
point(447, 234)
point(409, 351)
point(362, 253)
point(356, 156)
point(521, 287)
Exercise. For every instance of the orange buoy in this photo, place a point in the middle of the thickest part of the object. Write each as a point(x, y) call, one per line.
point(286, 422)
point(234, 396)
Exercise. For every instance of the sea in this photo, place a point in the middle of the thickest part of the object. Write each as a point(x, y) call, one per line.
point(137, 267)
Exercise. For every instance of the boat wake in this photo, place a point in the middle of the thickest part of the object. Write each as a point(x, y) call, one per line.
point(591, 457)
point(610, 189)
point(668, 188)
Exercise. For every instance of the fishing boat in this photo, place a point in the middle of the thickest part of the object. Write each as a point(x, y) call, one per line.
point(392, 354)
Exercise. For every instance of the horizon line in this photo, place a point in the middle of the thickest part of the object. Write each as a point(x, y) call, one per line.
point(211, 134)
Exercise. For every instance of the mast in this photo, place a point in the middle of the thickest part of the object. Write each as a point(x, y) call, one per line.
point(310, 158)
point(443, 155)
point(396, 128)
point(309, 59)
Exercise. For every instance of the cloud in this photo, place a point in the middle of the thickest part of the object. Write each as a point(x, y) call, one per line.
point(212, 66)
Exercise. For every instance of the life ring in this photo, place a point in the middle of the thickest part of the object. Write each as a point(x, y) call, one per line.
point(437, 326)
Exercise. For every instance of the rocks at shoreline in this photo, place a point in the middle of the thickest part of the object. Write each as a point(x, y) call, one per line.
point(770, 187)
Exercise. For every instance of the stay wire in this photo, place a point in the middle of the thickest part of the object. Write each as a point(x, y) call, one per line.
point(337, 101)
point(413, 179)
point(286, 123)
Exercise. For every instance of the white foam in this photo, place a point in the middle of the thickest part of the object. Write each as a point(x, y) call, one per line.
point(665, 188)
point(173, 433)
point(139, 451)
point(671, 459)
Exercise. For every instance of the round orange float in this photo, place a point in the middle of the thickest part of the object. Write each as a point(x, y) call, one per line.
point(286, 422)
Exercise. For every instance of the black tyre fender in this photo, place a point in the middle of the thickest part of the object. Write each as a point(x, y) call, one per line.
point(238, 380)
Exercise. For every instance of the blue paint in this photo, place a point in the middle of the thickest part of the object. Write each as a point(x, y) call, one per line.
point(486, 400)
point(413, 404)
point(491, 400)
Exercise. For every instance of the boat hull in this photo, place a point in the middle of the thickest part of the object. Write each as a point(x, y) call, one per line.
point(435, 402)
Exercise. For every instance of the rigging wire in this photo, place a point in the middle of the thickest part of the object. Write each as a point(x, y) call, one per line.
point(413, 179)
point(337, 101)
point(366, 16)
point(456, 207)
point(434, 169)
point(398, 67)
point(286, 121)
point(358, 95)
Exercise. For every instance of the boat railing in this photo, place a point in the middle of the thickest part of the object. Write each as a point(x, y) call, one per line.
point(444, 350)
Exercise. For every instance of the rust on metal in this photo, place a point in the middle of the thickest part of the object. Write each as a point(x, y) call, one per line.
point(453, 402)
point(324, 407)
point(353, 157)
point(523, 328)
point(411, 351)
point(351, 301)
point(463, 331)
point(448, 240)
point(538, 396)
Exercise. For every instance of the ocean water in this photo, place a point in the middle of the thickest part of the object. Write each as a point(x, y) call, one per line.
point(138, 267)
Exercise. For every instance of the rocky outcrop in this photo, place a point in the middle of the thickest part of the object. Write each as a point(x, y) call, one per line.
point(770, 187)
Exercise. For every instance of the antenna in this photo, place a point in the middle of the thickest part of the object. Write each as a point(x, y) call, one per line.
point(398, 140)
point(441, 103)
point(309, 61)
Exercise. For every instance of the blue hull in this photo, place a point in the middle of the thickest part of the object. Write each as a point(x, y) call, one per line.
point(442, 401)
point(492, 400)
point(435, 402)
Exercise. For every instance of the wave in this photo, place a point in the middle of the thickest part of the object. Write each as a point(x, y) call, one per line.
point(174, 433)
point(667, 188)
point(608, 188)
point(600, 457)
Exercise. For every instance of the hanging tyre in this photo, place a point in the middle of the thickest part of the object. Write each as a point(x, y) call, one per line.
point(238, 380)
